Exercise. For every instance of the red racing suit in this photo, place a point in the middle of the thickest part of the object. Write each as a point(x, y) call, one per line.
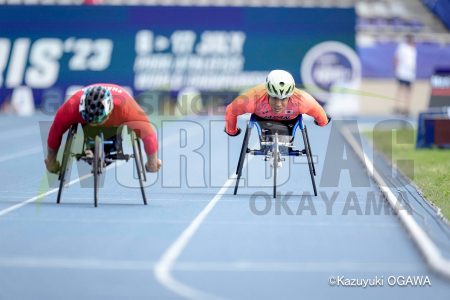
point(256, 101)
point(126, 111)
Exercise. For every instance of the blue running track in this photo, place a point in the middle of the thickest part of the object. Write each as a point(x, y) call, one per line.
point(195, 239)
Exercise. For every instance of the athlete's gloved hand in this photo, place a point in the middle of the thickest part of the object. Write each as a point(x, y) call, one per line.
point(329, 119)
point(236, 134)
point(52, 165)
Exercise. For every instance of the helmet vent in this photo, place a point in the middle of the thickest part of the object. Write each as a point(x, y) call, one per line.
point(96, 104)
point(280, 84)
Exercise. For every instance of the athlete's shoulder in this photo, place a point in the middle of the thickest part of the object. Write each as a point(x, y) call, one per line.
point(261, 88)
point(74, 99)
point(69, 110)
point(255, 93)
point(298, 95)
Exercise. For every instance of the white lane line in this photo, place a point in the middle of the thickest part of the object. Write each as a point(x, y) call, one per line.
point(19, 154)
point(5, 211)
point(435, 260)
point(165, 264)
point(212, 266)
point(297, 267)
point(35, 198)
point(344, 226)
point(69, 263)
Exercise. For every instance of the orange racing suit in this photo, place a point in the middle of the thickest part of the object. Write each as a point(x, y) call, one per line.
point(256, 101)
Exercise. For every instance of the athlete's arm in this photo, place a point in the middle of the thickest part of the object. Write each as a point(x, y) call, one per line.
point(243, 104)
point(136, 119)
point(313, 108)
point(66, 115)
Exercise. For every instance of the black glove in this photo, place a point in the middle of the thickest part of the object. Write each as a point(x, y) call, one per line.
point(237, 133)
point(328, 117)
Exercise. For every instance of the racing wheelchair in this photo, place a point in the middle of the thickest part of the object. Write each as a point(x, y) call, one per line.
point(276, 139)
point(101, 147)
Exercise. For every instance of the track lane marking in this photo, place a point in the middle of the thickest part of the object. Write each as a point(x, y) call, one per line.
point(35, 198)
point(166, 141)
point(165, 264)
point(433, 257)
point(211, 266)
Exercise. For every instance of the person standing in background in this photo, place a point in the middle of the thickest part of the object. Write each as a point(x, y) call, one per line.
point(405, 73)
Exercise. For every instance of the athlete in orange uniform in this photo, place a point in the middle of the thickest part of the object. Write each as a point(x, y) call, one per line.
point(277, 100)
point(103, 105)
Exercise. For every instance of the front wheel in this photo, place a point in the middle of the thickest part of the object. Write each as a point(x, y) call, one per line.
point(139, 164)
point(310, 152)
point(97, 166)
point(240, 165)
point(310, 161)
point(275, 154)
point(66, 160)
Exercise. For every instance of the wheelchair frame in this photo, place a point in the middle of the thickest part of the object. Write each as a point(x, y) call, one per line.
point(272, 150)
point(100, 160)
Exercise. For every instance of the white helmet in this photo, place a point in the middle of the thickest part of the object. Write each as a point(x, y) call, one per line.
point(280, 84)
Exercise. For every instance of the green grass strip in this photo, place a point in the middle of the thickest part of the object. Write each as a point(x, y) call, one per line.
point(431, 171)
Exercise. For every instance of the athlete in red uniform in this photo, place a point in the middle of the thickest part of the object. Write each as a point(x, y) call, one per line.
point(277, 100)
point(105, 105)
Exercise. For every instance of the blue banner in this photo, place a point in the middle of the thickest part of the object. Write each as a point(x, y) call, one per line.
point(54, 49)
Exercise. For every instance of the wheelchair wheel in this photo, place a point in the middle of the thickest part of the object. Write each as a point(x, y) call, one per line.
point(242, 157)
point(309, 147)
point(66, 160)
point(138, 141)
point(139, 164)
point(275, 153)
point(310, 162)
point(97, 166)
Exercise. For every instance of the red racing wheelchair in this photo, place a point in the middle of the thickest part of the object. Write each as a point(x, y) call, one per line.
point(101, 147)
